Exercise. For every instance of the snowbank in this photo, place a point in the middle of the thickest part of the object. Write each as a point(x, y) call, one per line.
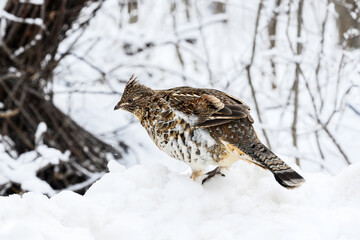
point(150, 202)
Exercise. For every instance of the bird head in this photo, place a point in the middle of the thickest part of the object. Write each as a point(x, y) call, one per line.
point(135, 97)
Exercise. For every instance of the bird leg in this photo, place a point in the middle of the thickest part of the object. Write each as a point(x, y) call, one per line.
point(212, 173)
point(196, 174)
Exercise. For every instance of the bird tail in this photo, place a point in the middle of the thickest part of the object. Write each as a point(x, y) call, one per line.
point(283, 173)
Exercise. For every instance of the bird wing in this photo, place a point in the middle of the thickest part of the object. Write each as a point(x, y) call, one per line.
point(211, 107)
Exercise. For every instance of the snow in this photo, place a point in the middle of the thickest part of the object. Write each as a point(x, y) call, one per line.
point(11, 17)
point(35, 2)
point(41, 129)
point(23, 169)
point(151, 202)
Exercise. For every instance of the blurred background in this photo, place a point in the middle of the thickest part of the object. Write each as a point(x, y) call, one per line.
point(64, 64)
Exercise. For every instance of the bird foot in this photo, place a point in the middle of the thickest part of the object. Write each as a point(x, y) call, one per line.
point(212, 173)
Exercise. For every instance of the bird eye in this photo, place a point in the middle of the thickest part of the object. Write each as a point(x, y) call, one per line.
point(130, 101)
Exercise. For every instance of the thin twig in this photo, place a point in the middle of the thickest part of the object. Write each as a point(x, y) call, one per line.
point(321, 54)
point(296, 81)
point(203, 39)
point(9, 113)
point(324, 126)
point(272, 36)
point(177, 41)
point(248, 70)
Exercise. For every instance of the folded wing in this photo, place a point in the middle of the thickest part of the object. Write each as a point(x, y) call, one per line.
point(212, 107)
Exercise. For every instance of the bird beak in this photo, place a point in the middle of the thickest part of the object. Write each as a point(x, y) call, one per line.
point(117, 107)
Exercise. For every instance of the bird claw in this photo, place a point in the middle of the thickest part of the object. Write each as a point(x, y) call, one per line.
point(213, 173)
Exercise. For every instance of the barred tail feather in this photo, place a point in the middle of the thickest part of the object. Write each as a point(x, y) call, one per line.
point(289, 178)
point(283, 173)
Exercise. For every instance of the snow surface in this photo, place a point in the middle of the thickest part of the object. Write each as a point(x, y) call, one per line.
point(151, 202)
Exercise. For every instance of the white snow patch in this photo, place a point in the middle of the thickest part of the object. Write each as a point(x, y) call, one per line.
point(11, 17)
point(41, 129)
point(35, 2)
point(150, 202)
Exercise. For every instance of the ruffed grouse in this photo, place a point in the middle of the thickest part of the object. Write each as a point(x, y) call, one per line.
point(202, 127)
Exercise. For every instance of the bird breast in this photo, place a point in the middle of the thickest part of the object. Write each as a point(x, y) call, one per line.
point(174, 133)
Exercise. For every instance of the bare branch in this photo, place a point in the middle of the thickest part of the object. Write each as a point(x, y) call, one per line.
point(248, 71)
point(296, 81)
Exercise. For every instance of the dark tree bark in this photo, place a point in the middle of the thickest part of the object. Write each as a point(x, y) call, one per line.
point(218, 7)
point(28, 56)
point(348, 22)
point(272, 35)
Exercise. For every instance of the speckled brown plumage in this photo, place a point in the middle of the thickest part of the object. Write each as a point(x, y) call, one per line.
point(203, 127)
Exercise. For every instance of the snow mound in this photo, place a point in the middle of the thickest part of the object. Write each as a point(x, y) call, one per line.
point(150, 202)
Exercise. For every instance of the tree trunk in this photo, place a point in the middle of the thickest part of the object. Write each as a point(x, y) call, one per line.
point(28, 56)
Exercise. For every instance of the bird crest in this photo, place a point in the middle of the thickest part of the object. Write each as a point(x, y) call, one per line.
point(132, 81)
point(134, 87)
